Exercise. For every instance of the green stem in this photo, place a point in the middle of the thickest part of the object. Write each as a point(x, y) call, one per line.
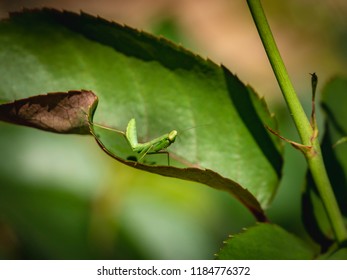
point(313, 155)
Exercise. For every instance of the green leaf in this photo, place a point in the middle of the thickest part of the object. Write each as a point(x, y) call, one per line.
point(340, 254)
point(335, 253)
point(265, 242)
point(334, 99)
point(116, 145)
point(161, 85)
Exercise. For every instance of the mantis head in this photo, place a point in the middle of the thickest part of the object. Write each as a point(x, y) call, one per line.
point(172, 136)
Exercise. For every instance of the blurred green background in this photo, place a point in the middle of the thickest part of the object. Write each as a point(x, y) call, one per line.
point(61, 197)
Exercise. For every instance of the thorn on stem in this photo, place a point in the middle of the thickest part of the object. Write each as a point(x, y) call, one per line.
point(313, 121)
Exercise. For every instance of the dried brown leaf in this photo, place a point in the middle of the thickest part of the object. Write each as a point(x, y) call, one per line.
point(60, 112)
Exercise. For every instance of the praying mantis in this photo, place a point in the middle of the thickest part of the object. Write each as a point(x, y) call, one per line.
point(157, 145)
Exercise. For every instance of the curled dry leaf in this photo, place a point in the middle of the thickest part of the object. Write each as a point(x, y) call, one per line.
point(60, 112)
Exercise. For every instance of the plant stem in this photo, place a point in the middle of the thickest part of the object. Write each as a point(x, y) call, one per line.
point(313, 155)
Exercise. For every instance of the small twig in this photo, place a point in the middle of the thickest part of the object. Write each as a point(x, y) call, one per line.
point(296, 145)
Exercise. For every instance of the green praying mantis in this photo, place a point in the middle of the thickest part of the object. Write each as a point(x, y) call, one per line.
point(155, 146)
